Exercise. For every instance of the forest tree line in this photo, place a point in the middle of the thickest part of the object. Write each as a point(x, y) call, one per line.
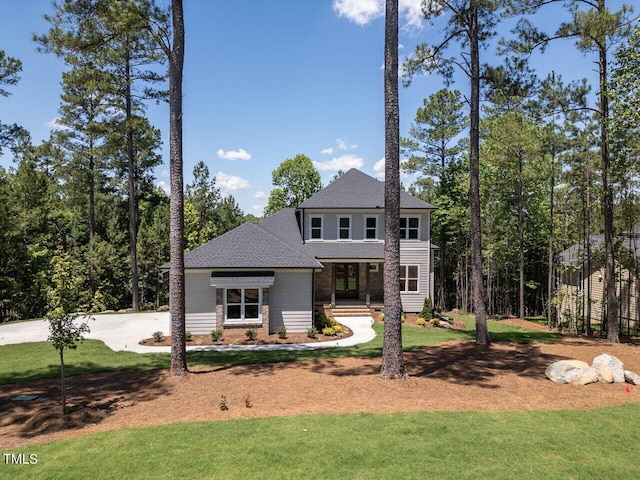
point(82, 206)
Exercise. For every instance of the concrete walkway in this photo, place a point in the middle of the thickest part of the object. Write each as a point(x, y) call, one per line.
point(123, 331)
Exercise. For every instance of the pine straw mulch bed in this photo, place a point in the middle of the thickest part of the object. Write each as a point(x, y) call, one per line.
point(453, 376)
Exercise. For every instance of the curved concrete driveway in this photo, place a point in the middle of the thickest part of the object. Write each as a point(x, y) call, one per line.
point(123, 331)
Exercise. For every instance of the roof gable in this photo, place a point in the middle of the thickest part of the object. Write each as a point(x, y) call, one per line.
point(355, 189)
point(251, 245)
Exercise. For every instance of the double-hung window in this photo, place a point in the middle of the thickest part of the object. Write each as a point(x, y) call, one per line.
point(243, 305)
point(344, 227)
point(371, 228)
point(316, 230)
point(409, 278)
point(409, 228)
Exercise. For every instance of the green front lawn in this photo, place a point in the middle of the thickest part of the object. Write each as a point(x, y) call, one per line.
point(442, 445)
point(31, 361)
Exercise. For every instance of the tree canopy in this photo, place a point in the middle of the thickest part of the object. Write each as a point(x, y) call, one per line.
point(295, 180)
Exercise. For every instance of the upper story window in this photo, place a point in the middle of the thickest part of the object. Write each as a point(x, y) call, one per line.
point(371, 228)
point(409, 228)
point(344, 227)
point(316, 228)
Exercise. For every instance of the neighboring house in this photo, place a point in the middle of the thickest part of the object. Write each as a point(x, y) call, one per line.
point(328, 251)
point(579, 281)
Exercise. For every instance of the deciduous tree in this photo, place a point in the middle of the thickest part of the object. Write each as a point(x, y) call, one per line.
point(295, 180)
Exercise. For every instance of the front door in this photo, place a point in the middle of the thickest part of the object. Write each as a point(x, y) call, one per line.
point(346, 280)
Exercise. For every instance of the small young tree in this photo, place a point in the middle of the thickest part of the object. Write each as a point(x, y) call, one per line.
point(63, 295)
point(427, 309)
point(64, 333)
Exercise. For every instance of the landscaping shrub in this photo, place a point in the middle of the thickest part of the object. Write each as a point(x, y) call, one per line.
point(421, 322)
point(323, 320)
point(216, 335)
point(427, 309)
point(252, 334)
point(329, 331)
point(157, 336)
point(282, 332)
point(188, 336)
point(312, 332)
point(337, 328)
point(222, 404)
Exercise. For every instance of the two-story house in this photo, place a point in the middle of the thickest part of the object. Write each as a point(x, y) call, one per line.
point(328, 251)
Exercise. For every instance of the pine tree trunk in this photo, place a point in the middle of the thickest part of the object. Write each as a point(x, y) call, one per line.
point(133, 197)
point(521, 235)
point(479, 306)
point(550, 275)
point(610, 272)
point(176, 207)
point(392, 358)
point(92, 198)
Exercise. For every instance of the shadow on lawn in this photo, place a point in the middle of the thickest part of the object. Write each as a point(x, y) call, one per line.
point(90, 399)
point(466, 363)
point(461, 362)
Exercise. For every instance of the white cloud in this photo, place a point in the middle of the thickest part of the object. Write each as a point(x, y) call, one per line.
point(231, 183)
point(362, 12)
point(56, 125)
point(164, 186)
point(259, 194)
point(343, 145)
point(412, 10)
point(345, 162)
point(233, 155)
point(257, 209)
point(378, 169)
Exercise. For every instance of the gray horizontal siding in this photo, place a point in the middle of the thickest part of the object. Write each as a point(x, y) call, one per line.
point(201, 323)
point(291, 301)
point(201, 296)
point(330, 223)
point(416, 254)
point(200, 302)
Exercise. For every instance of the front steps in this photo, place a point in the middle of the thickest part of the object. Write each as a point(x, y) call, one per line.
point(348, 311)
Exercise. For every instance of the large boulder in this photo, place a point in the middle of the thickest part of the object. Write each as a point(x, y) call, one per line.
point(571, 371)
point(631, 377)
point(605, 375)
point(612, 363)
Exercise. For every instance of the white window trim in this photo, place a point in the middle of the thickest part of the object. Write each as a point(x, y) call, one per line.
point(407, 278)
point(242, 320)
point(339, 217)
point(321, 217)
point(364, 235)
point(407, 217)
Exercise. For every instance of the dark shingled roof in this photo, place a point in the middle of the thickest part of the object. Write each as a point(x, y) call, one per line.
point(254, 245)
point(355, 189)
point(576, 254)
point(275, 242)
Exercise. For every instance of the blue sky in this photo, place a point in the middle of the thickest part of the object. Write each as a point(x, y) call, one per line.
point(264, 81)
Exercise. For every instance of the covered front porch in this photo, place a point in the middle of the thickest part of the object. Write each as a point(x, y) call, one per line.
point(349, 282)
